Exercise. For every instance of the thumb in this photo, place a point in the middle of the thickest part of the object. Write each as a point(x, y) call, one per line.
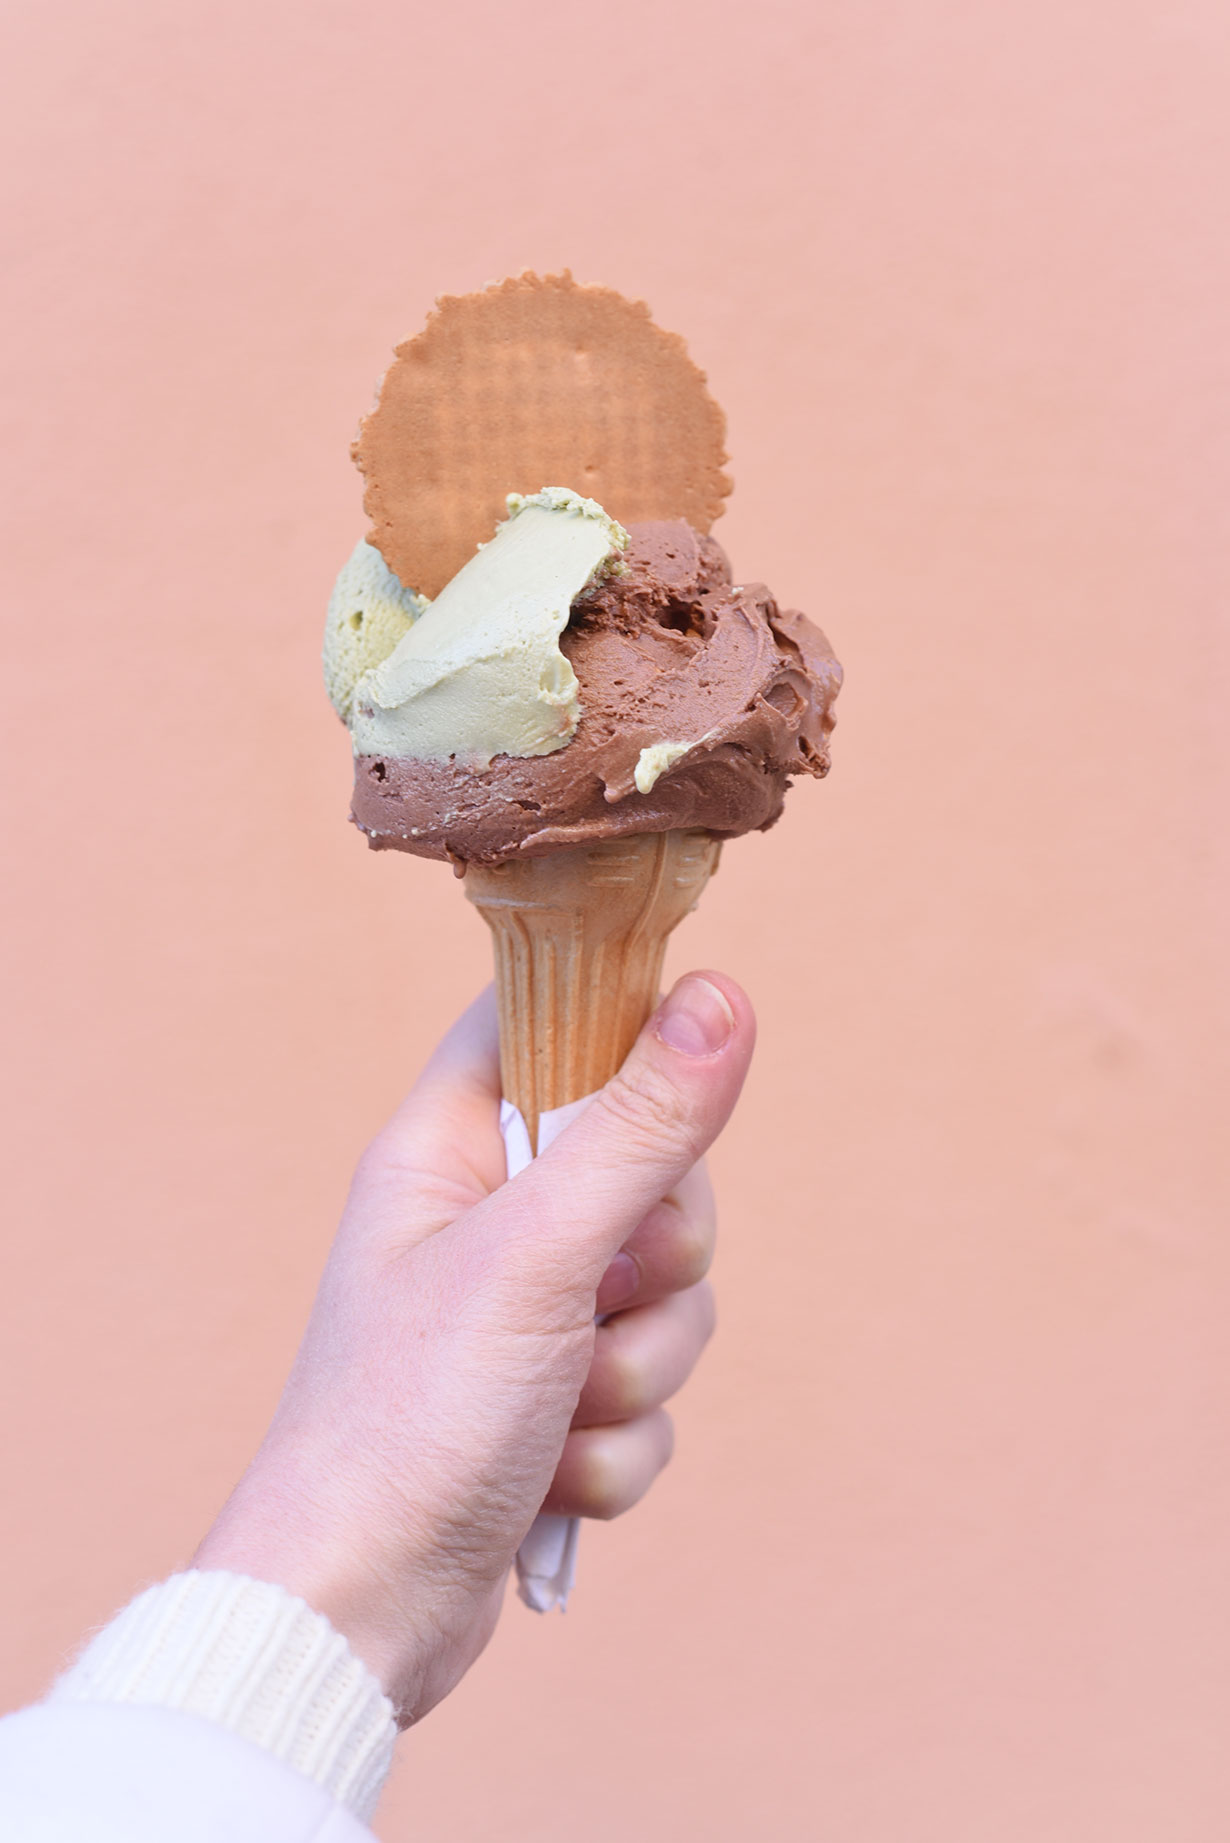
point(564, 1217)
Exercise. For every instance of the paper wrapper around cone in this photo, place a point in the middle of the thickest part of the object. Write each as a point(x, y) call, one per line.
point(579, 941)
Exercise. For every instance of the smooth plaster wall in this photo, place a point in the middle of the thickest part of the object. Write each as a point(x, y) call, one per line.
point(943, 1554)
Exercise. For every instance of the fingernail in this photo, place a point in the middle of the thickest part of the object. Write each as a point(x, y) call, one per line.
point(618, 1283)
point(695, 1018)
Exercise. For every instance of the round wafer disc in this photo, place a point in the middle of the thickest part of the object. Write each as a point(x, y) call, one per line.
point(533, 382)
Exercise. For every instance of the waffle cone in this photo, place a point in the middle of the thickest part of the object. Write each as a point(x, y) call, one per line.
point(579, 940)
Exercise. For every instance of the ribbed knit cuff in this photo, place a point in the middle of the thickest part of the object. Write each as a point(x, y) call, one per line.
point(257, 1660)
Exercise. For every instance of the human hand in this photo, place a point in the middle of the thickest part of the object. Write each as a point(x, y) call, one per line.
point(452, 1381)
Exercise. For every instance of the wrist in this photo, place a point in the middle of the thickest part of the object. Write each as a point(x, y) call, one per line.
point(333, 1558)
point(271, 1542)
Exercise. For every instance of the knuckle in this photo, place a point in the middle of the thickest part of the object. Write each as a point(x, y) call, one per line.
point(691, 1252)
point(603, 1486)
point(706, 1307)
point(628, 1388)
point(650, 1112)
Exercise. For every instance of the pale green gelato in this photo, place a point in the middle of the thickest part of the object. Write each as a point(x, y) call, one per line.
point(369, 612)
point(480, 673)
point(653, 762)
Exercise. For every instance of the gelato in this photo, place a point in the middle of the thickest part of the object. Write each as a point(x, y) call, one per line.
point(481, 672)
point(369, 612)
point(697, 698)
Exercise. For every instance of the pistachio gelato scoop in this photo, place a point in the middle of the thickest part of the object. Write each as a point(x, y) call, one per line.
point(479, 672)
point(369, 612)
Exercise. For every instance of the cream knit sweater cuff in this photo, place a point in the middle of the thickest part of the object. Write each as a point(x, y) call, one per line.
point(259, 1661)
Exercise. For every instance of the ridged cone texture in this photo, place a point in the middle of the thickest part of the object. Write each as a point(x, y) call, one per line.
point(579, 938)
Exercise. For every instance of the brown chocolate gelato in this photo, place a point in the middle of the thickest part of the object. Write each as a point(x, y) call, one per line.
point(698, 691)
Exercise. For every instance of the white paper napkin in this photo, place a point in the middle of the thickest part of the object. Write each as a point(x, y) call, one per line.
point(547, 1559)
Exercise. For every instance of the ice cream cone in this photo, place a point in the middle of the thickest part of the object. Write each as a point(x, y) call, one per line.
point(579, 940)
point(593, 668)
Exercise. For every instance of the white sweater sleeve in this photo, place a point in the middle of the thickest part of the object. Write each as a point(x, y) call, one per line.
point(114, 1772)
point(210, 1691)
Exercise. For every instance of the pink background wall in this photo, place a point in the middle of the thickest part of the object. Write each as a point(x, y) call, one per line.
point(943, 1555)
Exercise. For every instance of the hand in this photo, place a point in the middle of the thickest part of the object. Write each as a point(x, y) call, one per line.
point(452, 1380)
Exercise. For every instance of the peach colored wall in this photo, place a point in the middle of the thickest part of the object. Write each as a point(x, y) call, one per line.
point(944, 1552)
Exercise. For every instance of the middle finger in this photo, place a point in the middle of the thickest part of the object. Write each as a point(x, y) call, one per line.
point(669, 1250)
point(641, 1357)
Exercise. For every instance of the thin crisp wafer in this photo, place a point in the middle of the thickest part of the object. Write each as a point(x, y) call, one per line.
point(535, 381)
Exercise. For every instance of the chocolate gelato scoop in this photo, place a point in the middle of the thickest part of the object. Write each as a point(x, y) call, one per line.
point(699, 699)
